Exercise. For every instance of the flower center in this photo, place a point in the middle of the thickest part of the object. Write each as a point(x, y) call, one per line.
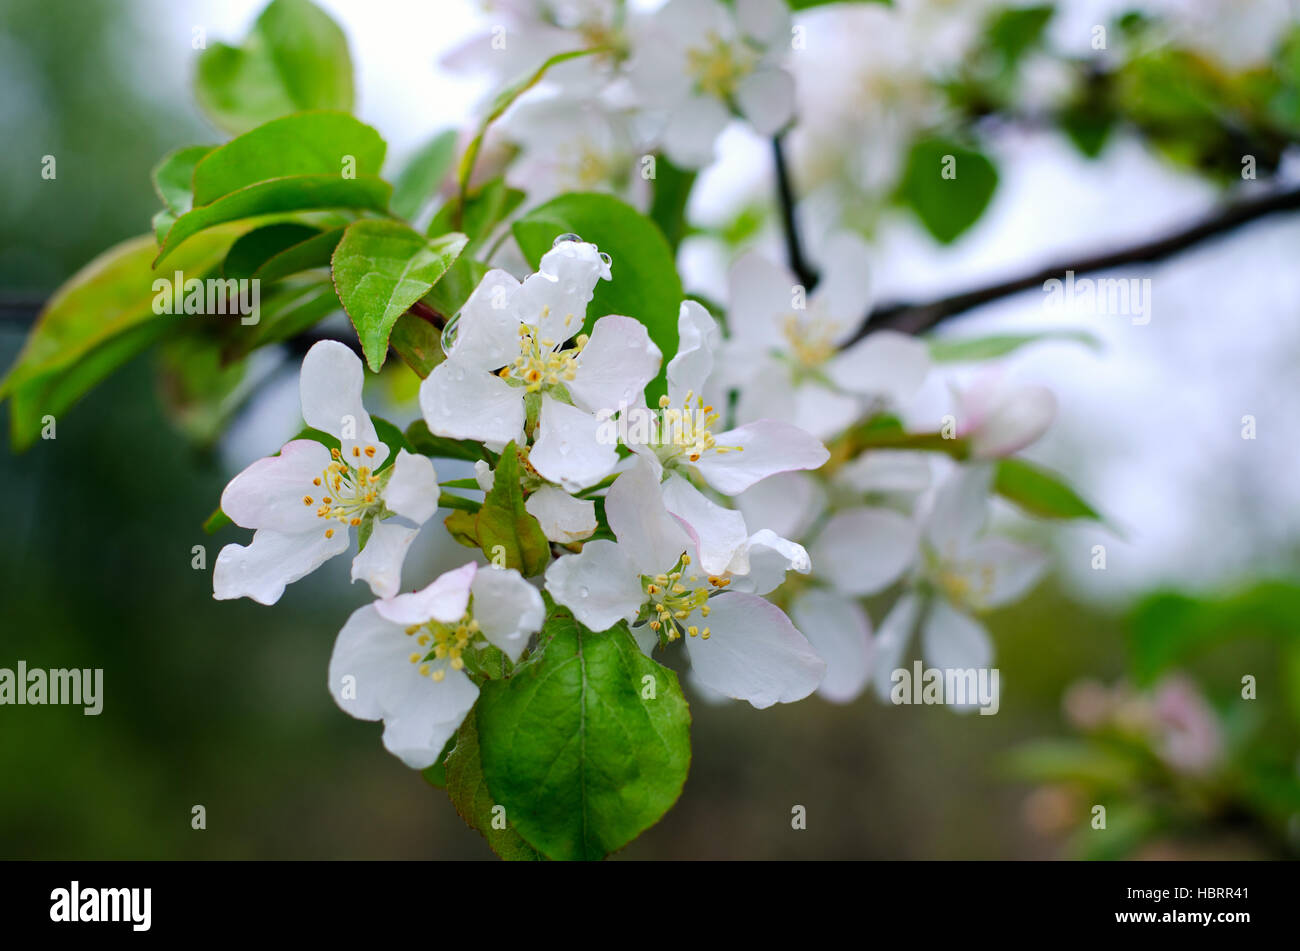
point(539, 364)
point(717, 67)
point(961, 589)
point(349, 490)
point(673, 598)
point(811, 339)
point(439, 646)
point(688, 430)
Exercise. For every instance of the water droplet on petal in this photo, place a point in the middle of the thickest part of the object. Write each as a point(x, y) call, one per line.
point(449, 333)
point(584, 592)
point(563, 238)
point(606, 258)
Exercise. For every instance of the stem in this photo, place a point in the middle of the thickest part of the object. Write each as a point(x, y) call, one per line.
point(918, 318)
point(785, 194)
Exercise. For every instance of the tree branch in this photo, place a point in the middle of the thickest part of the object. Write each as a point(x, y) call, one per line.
point(918, 318)
point(785, 193)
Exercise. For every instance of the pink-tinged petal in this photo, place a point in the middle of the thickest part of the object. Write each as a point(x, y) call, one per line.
point(563, 518)
point(759, 450)
point(891, 642)
point(864, 550)
point(652, 538)
point(568, 449)
point(698, 336)
point(272, 560)
point(1018, 419)
point(412, 490)
point(462, 402)
point(272, 492)
point(754, 653)
point(508, 609)
point(600, 585)
point(445, 599)
point(692, 129)
point(615, 366)
point(951, 640)
point(885, 364)
point(330, 388)
point(721, 532)
point(766, 99)
point(788, 504)
point(379, 564)
point(487, 331)
point(840, 631)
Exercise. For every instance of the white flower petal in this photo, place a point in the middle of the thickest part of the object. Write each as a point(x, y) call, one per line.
point(563, 518)
point(444, 599)
point(646, 639)
point(692, 128)
point(766, 99)
point(754, 653)
point(763, 448)
point(885, 363)
point(634, 506)
point(270, 493)
point(567, 449)
point(864, 550)
point(951, 640)
point(600, 585)
point(412, 490)
point(960, 509)
point(462, 402)
point(330, 389)
point(379, 564)
point(891, 641)
point(721, 532)
point(615, 366)
point(787, 503)
point(272, 560)
point(697, 334)
point(508, 609)
point(840, 631)
point(484, 475)
point(555, 299)
point(418, 729)
point(765, 21)
point(487, 331)
point(822, 412)
point(845, 286)
point(999, 571)
point(760, 296)
point(887, 470)
point(762, 563)
point(1022, 416)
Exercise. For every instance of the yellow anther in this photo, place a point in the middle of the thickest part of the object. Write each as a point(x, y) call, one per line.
point(438, 675)
point(415, 657)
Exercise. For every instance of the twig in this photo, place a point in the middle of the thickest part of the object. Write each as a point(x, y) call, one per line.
point(794, 249)
point(918, 318)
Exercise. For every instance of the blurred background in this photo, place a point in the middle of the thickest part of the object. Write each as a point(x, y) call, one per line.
point(1121, 686)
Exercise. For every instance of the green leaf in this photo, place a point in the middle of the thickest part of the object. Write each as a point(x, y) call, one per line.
point(296, 193)
point(284, 313)
point(254, 249)
point(1039, 491)
point(672, 190)
point(173, 177)
point(423, 173)
point(99, 319)
point(482, 211)
point(947, 206)
point(645, 284)
point(503, 521)
point(974, 349)
point(1015, 31)
point(216, 521)
point(582, 763)
point(440, 447)
point(462, 525)
point(418, 343)
point(294, 59)
point(474, 802)
point(380, 269)
point(449, 295)
point(316, 251)
point(311, 143)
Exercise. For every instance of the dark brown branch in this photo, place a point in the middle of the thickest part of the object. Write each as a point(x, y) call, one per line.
point(785, 193)
point(918, 318)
